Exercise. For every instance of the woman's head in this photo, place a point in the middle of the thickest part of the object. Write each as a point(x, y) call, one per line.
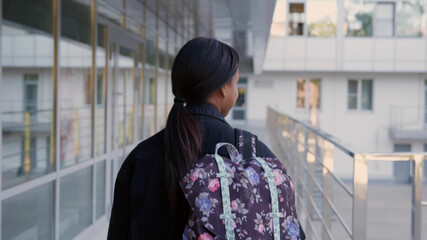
point(204, 70)
point(202, 67)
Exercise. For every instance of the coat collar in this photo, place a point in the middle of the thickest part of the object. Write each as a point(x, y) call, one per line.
point(205, 109)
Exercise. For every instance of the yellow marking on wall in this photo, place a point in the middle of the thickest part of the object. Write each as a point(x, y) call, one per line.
point(76, 134)
point(27, 159)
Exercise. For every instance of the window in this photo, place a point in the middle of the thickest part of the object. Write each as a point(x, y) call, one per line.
point(384, 19)
point(296, 19)
point(321, 18)
point(278, 26)
point(358, 18)
point(312, 93)
point(409, 17)
point(359, 89)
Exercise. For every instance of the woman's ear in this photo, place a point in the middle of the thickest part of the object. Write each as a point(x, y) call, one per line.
point(223, 91)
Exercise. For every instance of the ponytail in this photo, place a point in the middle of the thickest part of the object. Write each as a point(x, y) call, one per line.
point(183, 138)
point(202, 66)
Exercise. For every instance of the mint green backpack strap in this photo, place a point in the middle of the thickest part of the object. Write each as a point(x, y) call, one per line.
point(275, 214)
point(224, 176)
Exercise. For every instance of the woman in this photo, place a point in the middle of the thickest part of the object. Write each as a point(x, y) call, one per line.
point(148, 202)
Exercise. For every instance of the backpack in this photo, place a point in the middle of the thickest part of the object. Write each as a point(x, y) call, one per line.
point(237, 198)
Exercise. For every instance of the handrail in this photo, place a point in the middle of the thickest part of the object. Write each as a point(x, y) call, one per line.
point(304, 147)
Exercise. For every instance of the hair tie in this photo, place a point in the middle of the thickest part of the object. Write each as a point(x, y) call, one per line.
point(179, 100)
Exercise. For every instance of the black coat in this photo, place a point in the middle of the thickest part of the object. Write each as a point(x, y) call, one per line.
point(141, 207)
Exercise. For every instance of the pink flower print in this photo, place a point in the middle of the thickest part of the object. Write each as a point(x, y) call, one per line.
point(213, 185)
point(205, 236)
point(278, 178)
point(234, 205)
point(261, 228)
point(292, 185)
point(282, 199)
point(195, 174)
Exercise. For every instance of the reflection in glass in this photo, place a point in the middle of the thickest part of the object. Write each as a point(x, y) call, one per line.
point(75, 204)
point(29, 215)
point(74, 83)
point(301, 93)
point(314, 97)
point(409, 19)
point(296, 19)
point(161, 85)
point(100, 131)
point(358, 18)
point(322, 18)
point(366, 94)
point(149, 88)
point(278, 26)
point(352, 94)
point(125, 95)
point(100, 189)
point(384, 19)
point(26, 93)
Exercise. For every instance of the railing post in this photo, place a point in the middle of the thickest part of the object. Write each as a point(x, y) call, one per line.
point(309, 160)
point(360, 188)
point(328, 162)
point(417, 188)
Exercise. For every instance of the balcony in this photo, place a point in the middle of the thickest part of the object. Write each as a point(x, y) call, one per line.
point(408, 123)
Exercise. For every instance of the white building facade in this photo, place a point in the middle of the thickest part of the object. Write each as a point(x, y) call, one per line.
point(362, 64)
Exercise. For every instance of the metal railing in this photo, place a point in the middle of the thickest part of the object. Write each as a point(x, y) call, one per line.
point(309, 152)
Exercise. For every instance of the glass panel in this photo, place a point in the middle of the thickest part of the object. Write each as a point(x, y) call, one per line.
point(26, 93)
point(384, 15)
point(100, 189)
point(110, 12)
point(409, 17)
point(296, 19)
point(352, 94)
point(278, 26)
point(238, 114)
point(75, 204)
point(314, 89)
point(358, 18)
point(367, 94)
point(74, 83)
point(161, 87)
point(241, 99)
point(301, 93)
point(425, 105)
point(29, 215)
point(149, 88)
point(101, 110)
point(126, 81)
point(322, 18)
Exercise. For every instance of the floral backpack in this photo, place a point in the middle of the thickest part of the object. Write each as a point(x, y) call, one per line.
point(240, 197)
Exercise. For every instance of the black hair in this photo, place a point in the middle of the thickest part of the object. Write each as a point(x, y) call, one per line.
point(202, 66)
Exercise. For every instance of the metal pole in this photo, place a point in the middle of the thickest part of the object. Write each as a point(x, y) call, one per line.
point(360, 188)
point(328, 162)
point(417, 188)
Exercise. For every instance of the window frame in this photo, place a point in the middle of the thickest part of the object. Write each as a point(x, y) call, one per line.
point(304, 31)
point(307, 93)
point(393, 20)
point(360, 94)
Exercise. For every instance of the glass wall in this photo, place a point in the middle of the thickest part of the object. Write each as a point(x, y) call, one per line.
point(87, 83)
point(26, 93)
point(100, 101)
point(409, 19)
point(75, 83)
point(322, 18)
point(29, 215)
point(75, 203)
point(358, 18)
